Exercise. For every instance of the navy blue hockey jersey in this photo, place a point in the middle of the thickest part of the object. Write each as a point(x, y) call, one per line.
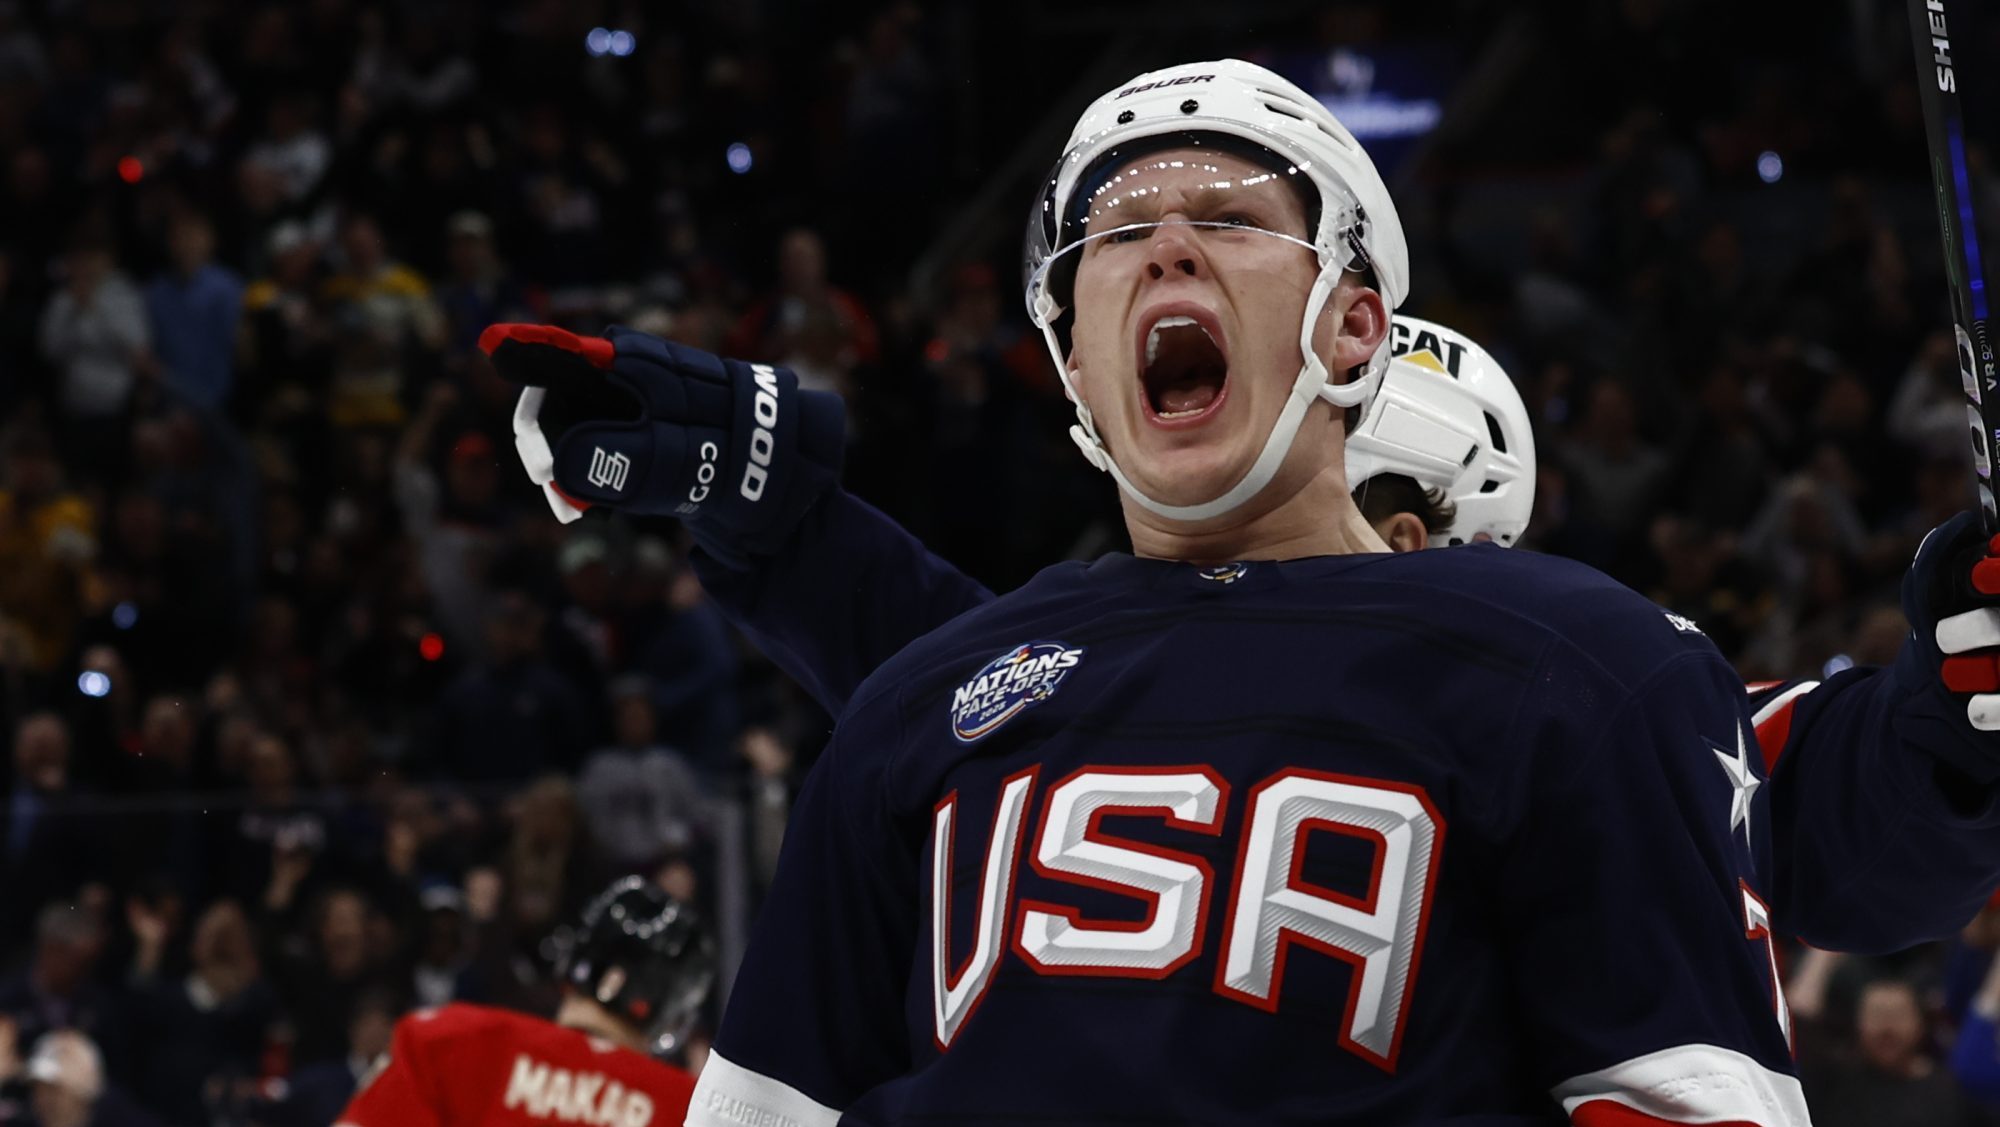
point(1458, 837)
point(1868, 855)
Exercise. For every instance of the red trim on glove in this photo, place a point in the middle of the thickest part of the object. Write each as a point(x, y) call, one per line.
point(597, 350)
point(581, 506)
point(1986, 575)
point(1971, 673)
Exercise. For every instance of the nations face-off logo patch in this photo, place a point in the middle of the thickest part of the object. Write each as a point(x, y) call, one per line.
point(1016, 680)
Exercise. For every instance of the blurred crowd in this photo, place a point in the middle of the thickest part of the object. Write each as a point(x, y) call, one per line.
point(314, 714)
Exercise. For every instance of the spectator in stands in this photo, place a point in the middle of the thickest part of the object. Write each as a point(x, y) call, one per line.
point(384, 319)
point(20, 315)
point(457, 525)
point(511, 716)
point(1928, 410)
point(195, 308)
point(162, 762)
point(585, 638)
point(95, 334)
point(481, 290)
point(59, 988)
point(69, 1086)
point(211, 1025)
point(807, 323)
point(442, 950)
point(641, 800)
point(1975, 1055)
point(293, 151)
point(677, 638)
point(321, 979)
point(546, 870)
point(276, 821)
point(550, 863)
point(318, 1092)
point(1893, 1078)
point(284, 331)
point(48, 539)
point(773, 783)
point(48, 834)
point(1617, 472)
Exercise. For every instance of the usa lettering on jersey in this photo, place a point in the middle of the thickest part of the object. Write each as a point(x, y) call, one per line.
point(556, 1094)
point(1270, 910)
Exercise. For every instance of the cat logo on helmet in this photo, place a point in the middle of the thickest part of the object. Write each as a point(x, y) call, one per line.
point(1413, 343)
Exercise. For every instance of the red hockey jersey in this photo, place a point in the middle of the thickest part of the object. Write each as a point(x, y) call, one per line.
point(470, 1066)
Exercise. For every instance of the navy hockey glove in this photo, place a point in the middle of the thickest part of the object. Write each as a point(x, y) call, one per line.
point(1950, 669)
point(642, 425)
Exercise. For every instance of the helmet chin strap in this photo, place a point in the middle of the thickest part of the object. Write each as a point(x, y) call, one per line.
point(1312, 383)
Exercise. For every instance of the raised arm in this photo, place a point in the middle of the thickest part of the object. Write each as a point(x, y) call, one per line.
point(1885, 783)
point(828, 587)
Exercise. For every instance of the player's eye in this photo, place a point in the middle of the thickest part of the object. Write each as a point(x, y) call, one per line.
point(1128, 235)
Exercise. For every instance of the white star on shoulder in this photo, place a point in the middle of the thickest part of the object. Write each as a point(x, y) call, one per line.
point(1743, 782)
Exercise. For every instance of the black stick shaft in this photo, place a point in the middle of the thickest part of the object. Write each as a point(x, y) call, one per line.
point(1932, 25)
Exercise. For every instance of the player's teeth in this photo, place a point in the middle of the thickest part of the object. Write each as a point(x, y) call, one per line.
point(1174, 322)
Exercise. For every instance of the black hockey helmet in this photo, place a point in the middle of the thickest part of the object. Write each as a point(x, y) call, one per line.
point(644, 956)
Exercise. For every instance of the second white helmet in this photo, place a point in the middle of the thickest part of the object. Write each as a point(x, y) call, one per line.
point(1448, 417)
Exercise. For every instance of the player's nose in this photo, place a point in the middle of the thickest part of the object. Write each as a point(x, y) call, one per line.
point(1173, 250)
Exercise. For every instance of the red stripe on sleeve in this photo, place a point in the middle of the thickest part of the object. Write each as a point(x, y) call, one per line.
point(1772, 715)
point(1609, 1113)
point(1772, 733)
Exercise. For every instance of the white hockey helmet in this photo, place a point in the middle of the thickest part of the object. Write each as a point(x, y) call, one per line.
point(1448, 417)
point(1232, 104)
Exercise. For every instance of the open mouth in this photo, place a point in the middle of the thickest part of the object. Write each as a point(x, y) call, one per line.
point(1182, 366)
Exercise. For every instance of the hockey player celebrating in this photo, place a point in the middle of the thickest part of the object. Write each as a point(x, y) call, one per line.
point(634, 974)
point(1285, 704)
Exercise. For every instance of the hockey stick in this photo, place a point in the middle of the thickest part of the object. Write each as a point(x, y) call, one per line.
point(1944, 126)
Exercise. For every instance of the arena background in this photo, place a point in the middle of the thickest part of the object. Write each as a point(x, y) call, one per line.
point(314, 714)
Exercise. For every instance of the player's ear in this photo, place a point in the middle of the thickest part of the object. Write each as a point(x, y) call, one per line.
point(1403, 532)
point(1363, 320)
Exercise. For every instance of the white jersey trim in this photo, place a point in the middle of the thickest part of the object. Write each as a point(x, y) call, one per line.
point(1773, 706)
point(729, 1095)
point(1693, 1084)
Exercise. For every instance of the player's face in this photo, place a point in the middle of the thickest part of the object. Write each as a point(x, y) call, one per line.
point(1889, 1026)
point(1186, 340)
